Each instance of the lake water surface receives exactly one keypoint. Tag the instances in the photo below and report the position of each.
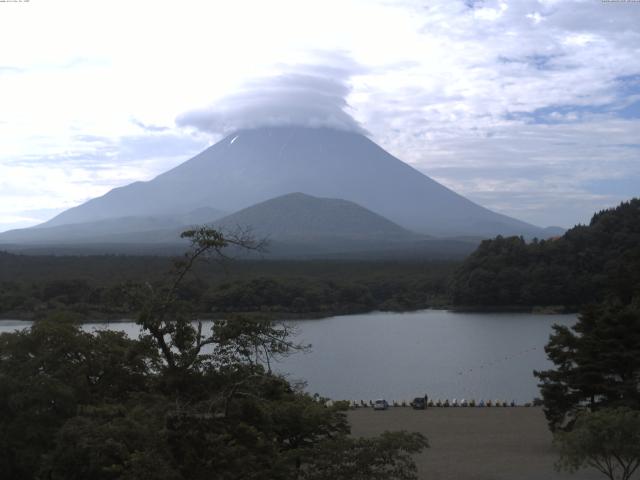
(398, 356)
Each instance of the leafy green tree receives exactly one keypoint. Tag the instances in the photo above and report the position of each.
(597, 364)
(388, 456)
(607, 440)
(111, 442)
(49, 372)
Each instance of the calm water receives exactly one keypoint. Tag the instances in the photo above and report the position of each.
(401, 355)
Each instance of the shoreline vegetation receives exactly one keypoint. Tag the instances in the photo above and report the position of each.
(102, 317)
(99, 287)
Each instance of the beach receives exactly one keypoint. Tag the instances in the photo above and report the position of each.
(474, 443)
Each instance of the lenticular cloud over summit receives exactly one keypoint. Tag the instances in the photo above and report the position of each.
(311, 97)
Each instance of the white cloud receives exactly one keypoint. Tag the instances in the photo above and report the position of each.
(535, 17)
(308, 95)
(543, 173)
(492, 14)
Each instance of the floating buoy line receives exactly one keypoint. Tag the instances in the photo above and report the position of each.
(497, 361)
(446, 403)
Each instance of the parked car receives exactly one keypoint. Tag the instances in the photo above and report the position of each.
(380, 404)
(419, 403)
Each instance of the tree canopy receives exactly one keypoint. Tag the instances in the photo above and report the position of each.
(587, 264)
(607, 440)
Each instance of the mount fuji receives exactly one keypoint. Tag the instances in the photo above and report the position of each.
(253, 166)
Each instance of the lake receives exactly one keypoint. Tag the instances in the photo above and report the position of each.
(398, 356)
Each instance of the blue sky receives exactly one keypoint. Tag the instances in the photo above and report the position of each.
(528, 107)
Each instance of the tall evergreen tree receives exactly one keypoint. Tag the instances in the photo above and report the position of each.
(597, 363)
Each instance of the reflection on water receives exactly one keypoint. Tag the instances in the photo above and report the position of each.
(402, 355)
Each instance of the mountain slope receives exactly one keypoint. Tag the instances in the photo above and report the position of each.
(142, 229)
(295, 225)
(255, 165)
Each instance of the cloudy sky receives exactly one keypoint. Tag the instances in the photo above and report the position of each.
(528, 107)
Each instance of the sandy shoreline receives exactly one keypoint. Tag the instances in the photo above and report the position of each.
(474, 443)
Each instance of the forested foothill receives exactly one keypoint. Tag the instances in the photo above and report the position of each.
(588, 264)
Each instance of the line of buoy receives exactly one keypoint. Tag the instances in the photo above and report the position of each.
(498, 361)
(446, 403)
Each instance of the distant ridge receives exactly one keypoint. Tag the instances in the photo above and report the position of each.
(130, 229)
(294, 225)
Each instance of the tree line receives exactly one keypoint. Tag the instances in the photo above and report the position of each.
(298, 288)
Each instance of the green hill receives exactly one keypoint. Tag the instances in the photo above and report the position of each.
(585, 265)
(304, 217)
